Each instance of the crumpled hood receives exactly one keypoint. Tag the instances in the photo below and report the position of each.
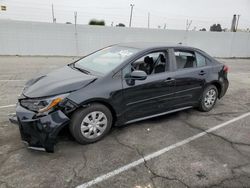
(60, 81)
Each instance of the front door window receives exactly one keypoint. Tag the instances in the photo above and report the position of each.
(152, 63)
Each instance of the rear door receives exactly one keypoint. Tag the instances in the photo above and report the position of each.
(190, 76)
(148, 97)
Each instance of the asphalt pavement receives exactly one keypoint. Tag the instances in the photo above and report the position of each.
(183, 149)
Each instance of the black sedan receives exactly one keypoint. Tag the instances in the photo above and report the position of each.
(117, 85)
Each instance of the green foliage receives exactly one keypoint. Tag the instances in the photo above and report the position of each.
(216, 27)
(96, 22)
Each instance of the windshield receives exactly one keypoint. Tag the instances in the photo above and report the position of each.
(105, 60)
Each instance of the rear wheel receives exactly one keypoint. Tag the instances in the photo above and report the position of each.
(91, 124)
(209, 98)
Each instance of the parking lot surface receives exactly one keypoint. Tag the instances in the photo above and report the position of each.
(218, 158)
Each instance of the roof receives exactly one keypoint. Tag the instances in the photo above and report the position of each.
(146, 45)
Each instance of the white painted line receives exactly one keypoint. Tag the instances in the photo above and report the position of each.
(7, 106)
(158, 153)
(36, 148)
(12, 80)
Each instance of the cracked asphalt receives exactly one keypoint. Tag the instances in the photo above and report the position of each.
(218, 159)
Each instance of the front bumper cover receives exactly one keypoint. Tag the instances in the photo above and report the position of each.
(39, 132)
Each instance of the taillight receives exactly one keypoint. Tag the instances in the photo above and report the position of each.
(225, 69)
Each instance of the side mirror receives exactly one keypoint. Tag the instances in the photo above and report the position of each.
(138, 75)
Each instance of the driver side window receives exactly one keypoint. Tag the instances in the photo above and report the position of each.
(152, 63)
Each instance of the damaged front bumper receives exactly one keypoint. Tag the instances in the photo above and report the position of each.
(39, 132)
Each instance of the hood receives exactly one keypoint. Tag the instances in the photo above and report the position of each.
(60, 81)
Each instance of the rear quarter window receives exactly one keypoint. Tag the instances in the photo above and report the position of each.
(200, 60)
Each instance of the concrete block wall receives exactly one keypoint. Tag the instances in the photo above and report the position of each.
(36, 38)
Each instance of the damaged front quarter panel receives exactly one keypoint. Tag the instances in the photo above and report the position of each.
(40, 132)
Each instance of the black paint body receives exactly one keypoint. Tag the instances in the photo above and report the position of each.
(156, 95)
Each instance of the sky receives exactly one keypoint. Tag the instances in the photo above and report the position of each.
(169, 14)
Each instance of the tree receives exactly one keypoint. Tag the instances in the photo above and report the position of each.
(96, 22)
(216, 27)
(120, 25)
(203, 29)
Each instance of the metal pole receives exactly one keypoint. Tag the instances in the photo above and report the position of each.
(188, 24)
(131, 13)
(165, 26)
(76, 35)
(148, 20)
(75, 15)
(238, 17)
(53, 15)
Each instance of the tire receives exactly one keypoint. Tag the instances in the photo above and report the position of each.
(208, 99)
(49, 149)
(91, 124)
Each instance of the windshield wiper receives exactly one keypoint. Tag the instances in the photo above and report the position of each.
(80, 69)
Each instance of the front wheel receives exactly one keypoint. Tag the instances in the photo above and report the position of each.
(91, 124)
(209, 98)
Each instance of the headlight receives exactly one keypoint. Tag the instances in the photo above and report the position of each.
(43, 104)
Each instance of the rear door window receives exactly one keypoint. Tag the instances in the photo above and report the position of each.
(185, 59)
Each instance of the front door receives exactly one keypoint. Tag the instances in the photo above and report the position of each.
(148, 97)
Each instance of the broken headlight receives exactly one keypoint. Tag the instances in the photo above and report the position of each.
(42, 105)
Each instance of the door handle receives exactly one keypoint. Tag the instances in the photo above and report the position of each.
(202, 72)
(169, 79)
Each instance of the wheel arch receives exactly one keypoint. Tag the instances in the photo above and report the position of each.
(103, 102)
(218, 85)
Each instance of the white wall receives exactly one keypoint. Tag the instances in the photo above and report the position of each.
(33, 38)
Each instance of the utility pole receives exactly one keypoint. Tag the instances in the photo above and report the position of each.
(75, 17)
(131, 13)
(233, 25)
(148, 20)
(238, 17)
(53, 15)
(76, 36)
